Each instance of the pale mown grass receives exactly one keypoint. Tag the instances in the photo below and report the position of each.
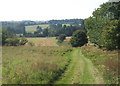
(33, 65)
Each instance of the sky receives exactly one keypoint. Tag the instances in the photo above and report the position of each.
(42, 10)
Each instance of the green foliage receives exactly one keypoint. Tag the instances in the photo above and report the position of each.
(53, 30)
(14, 27)
(111, 35)
(45, 32)
(95, 23)
(5, 35)
(61, 38)
(15, 41)
(10, 39)
(98, 23)
(12, 42)
(23, 41)
(78, 39)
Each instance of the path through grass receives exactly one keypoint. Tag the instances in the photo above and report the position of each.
(80, 71)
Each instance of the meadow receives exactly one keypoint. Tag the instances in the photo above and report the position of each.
(43, 61)
(34, 65)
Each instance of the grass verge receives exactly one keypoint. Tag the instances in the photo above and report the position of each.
(106, 61)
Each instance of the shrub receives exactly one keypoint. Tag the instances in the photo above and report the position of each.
(5, 35)
(61, 38)
(15, 41)
(111, 35)
(12, 41)
(78, 38)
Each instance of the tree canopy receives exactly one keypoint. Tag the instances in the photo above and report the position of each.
(78, 39)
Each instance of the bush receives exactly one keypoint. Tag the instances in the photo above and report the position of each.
(12, 42)
(61, 38)
(78, 39)
(15, 41)
(23, 41)
(111, 35)
(6, 35)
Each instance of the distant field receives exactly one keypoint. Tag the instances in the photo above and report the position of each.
(48, 41)
(32, 28)
(68, 24)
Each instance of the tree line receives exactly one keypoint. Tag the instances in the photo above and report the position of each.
(55, 30)
(103, 27)
(14, 27)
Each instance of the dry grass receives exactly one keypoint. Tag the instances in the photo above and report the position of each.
(48, 41)
(33, 65)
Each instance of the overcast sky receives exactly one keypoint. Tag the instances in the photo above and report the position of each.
(47, 9)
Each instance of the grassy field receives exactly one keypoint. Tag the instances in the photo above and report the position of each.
(42, 61)
(34, 65)
(32, 28)
(47, 41)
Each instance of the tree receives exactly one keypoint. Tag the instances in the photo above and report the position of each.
(45, 32)
(5, 35)
(39, 29)
(61, 38)
(111, 35)
(78, 39)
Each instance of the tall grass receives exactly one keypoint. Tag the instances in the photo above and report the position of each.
(34, 65)
(106, 61)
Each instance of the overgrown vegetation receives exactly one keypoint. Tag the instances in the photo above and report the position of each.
(10, 39)
(34, 65)
(106, 61)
